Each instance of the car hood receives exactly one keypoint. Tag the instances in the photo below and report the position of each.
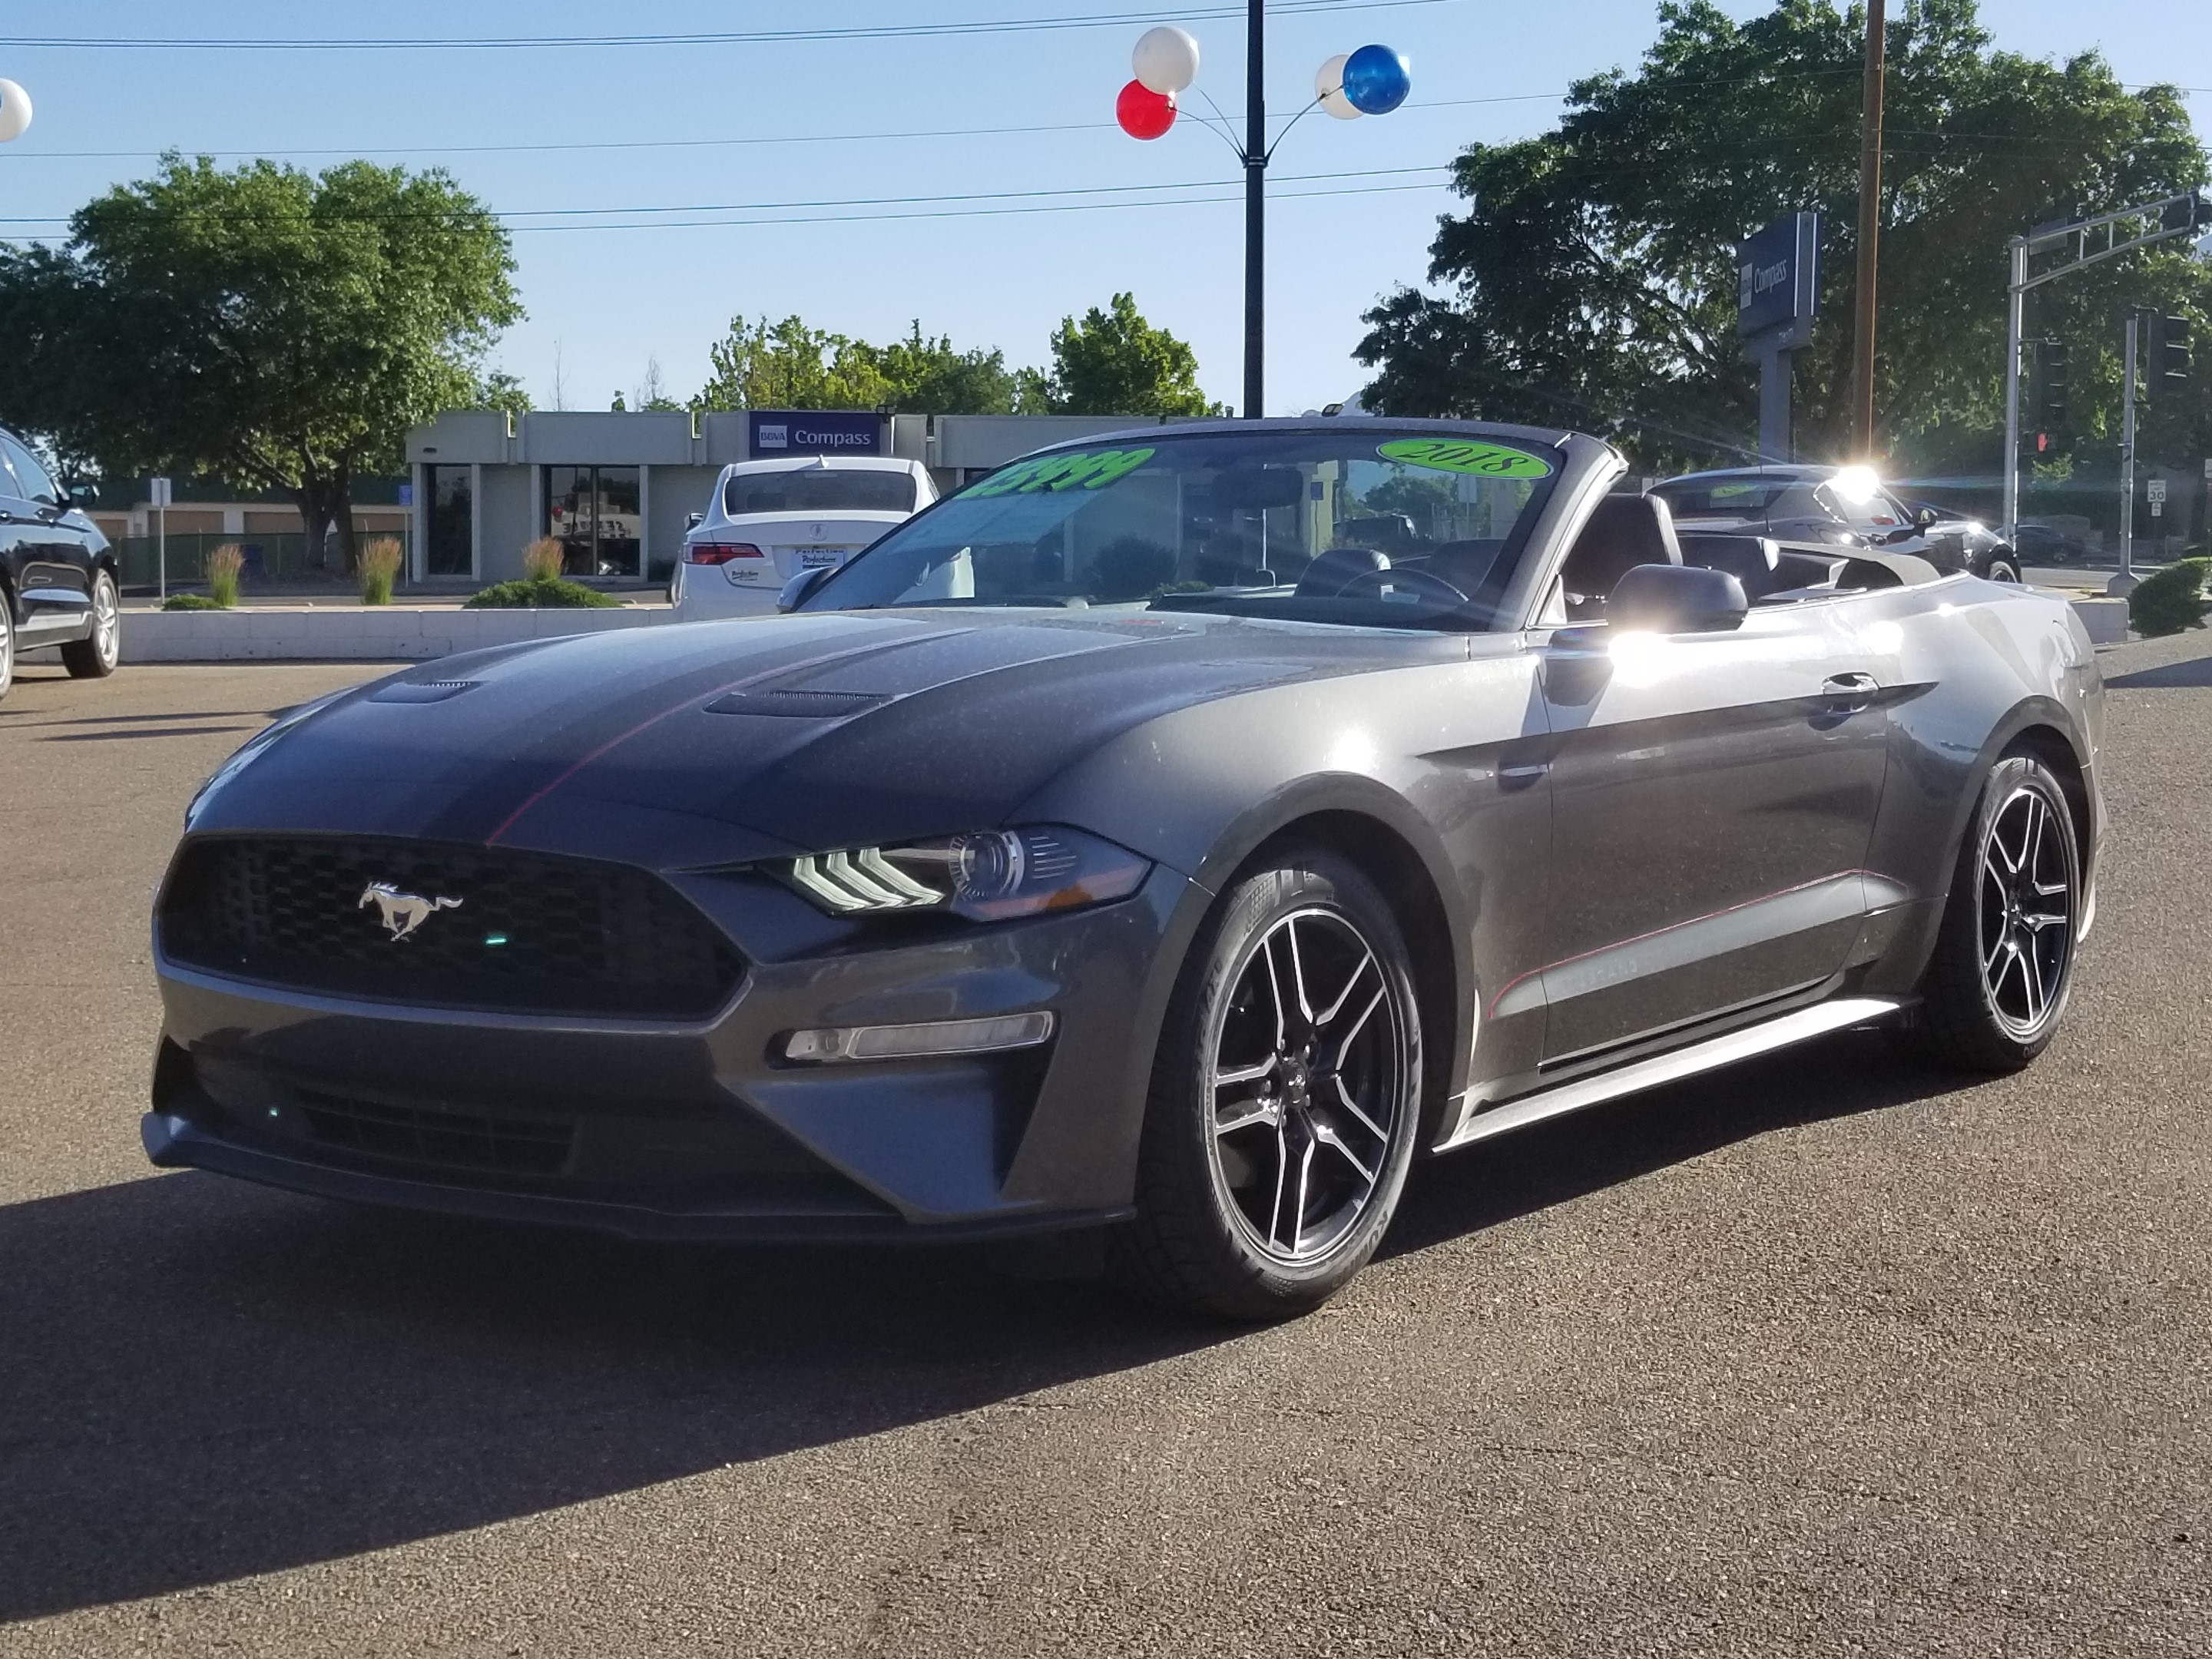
(717, 742)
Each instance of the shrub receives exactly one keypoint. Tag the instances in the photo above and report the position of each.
(2169, 600)
(222, 568)
(543, 560)
(550, 592)
(191, 602)
(380, 566)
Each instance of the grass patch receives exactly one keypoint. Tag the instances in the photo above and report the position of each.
(192, 602)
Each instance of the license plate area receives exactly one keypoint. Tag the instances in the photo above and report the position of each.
(815, 558)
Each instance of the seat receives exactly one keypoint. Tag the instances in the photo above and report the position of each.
(1332, 572)
(1751, 560)
(1624, 531)
(1464, 564)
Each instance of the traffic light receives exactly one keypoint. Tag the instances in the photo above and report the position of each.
(2170, 355)
(2050, 383)
(2185, 214)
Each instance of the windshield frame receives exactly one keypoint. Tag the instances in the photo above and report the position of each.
(1484, 609)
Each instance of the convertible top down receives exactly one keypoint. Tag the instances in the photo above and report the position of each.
(1122, 842)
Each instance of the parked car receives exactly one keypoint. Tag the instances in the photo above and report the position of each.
(2049, 544)
(1846, 506)
(1010, 881)
(58, 575)
(768, 520)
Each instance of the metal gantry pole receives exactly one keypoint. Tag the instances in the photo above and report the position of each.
(1255, 209)
(2125, 581)
(2016, 305)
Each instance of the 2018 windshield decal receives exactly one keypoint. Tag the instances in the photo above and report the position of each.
(1090, 470)
(1469, 455)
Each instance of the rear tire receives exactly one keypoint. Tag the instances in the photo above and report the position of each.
(1997, 987)
(95, 658)
(1285, 1099)
(6, 642)
(2003, 567)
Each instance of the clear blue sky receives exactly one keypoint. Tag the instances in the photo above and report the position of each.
(606, 297)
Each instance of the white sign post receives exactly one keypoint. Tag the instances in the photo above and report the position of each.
(159, 497)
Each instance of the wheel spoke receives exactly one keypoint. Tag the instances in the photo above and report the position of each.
(1275, 990)
(1298, 1214)
(1344, 996)
(2039, 920)
(1282, 1172)
(1325, 1136)
(2030, 975)
(1269, 1112)
(1344, 1043)
(1352, 1106)
(1244, 1074)
(1298, 974)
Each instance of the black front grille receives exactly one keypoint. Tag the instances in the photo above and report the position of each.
(439, 1140)
(531, 934)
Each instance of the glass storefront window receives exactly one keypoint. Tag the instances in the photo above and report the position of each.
(451, 548)
(592, 511)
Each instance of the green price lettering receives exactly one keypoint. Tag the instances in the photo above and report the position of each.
(1089, 471)
(1468, 455)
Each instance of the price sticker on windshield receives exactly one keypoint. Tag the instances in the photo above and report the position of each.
(1468, 455)
(1085, 470)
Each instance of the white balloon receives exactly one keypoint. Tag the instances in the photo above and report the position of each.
(14, 110)
(1166, 59)
(1329, 86)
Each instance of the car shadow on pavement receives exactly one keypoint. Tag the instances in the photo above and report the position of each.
(2197, 673)
(202, 1380)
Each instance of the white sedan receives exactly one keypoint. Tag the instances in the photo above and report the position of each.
(769, 520)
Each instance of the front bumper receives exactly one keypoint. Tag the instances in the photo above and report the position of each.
(698, 1131)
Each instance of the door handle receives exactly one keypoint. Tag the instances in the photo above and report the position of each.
(1852, 691)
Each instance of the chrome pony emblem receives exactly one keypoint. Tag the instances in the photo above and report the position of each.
(402, 913)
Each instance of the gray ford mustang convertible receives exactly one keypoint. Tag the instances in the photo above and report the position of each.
(1122, 843)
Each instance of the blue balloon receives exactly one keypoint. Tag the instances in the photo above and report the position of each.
(1376, 80)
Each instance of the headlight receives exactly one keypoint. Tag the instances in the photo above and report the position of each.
(986, 877)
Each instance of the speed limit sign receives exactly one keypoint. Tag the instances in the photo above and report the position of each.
(2156, 491)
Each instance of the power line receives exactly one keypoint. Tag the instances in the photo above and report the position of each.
(770, 207)
(703, 37)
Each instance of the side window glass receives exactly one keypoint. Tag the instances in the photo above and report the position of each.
(37, 486)
(8, 486)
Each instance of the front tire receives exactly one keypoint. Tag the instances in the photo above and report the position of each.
(2003, 567)
(2004, 966)
(1286, 1098)
(6, 642)
(95, 658)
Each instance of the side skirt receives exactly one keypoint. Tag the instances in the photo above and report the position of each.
(1724, 1050)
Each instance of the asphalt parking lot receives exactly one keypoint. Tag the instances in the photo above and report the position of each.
(1828, 1355)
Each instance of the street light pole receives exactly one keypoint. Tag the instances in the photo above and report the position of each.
(1869, 232)
(1255, 208)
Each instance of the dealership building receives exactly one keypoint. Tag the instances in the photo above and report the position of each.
(619, 489)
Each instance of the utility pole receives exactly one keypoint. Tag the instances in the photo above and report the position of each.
(1255, 208)
(2125, 581)
(1869, 234)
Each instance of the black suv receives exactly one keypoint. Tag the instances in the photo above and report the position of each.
(57, 583)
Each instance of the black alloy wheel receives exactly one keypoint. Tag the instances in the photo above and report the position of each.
(2003, 566)
(94, 657)
(2004, 959)
(1285, 1099)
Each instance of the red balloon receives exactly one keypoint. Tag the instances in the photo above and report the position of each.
(1143, 113)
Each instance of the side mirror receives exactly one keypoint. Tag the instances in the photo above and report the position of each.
(1676, 599)
(796, 590)
(693, 520)
(1924, 517)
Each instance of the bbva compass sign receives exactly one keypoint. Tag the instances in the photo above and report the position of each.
(1778, 277)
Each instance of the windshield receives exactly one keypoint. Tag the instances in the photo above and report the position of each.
(818, 489)
(1362, 524)
(1725, 498)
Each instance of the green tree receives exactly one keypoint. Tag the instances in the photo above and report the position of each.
(788, 365)
(1591, 281)
(501, 389)
(262, 325)
(928, 376)
(1115, 362)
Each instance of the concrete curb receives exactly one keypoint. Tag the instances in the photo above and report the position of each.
(363, 634)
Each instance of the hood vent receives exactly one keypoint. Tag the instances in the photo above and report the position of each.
(422, 690)
(796, 705)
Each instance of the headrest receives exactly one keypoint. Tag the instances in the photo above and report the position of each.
(1329, 574)
(1624, 531)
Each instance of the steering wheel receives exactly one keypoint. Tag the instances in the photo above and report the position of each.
(1434, 588)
